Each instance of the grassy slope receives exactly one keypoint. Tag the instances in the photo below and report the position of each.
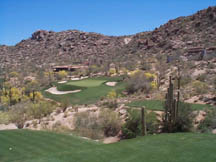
(36, 146)
(158, 105)
(92, 90)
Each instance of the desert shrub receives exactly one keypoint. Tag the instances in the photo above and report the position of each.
(202, 77)
(112, 71)
(200, 87)
(152, 123)
(61, 75)
(59, 127)
(185, 118)
(209, 123)
(86, 124)
(185, 79)
(138, 82)
(23, 111)
(40, 109)
(211, 66)
(132, 127)
(184, 121)
(127, 133)
(4, 118)
(112, 104)
(36, 96)
(111, 101)
(94, 126)
(145, 66)
(31, 86)
(110, 121)
(13, 74)
(12, 96)
(112, 94)
(65, 103)
(17, 114)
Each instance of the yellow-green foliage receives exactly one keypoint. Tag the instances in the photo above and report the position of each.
(112, 95)
(150, 75)
(7, 85)
(23, 111)
(40, 109)
(14, 95)
(154, 84)
(5, 100)
(132, 73)
(112, 71)
(48, 73)
(32, 85)
(38, 96)
(13, 74)
(154, 77)
(62, 74)
(94, 126)
(4, 118)
(200, 87)
(124, 70)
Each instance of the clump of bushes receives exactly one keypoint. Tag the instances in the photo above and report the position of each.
(139, 82)
(61, 75)
(4, 118)
(200, 87)
(111, 101)
(185, 79)
(23, 111)
(184, 121)
(209, 123)
(96, 126)
(133, 126)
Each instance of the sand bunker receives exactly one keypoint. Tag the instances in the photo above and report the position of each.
(112, 84)
(62, 82)
(54, 90)
(81, 78)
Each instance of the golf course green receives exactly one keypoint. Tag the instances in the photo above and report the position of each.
(92, 90)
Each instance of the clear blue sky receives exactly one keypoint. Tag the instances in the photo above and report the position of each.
(20, 18)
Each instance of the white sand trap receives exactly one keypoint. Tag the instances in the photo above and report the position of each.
(79, 78)
(112, 84)
(62, 82)
(54, 90)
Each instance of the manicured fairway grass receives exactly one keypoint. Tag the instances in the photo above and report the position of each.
(158, 105)
(38, 146)
(92, 90)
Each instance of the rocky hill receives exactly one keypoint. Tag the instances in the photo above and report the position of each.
(175, 37)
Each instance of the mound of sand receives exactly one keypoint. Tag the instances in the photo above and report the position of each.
(112, 84)
(54, 90)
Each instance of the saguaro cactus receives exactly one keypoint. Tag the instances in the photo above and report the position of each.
(171, 107)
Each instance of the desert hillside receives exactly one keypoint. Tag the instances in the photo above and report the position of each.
(175, 37)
